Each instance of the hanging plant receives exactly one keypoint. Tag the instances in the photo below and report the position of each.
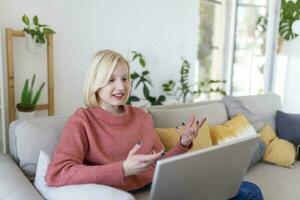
(37, 31)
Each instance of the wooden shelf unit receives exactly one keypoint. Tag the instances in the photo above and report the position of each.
(3, 133)
(10, 34)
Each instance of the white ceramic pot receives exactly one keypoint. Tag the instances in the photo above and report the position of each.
(32, 45)
(25, 115)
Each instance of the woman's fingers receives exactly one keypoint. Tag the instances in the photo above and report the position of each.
(200, 123)
(135, 149)
(191, 121)
(151, 158)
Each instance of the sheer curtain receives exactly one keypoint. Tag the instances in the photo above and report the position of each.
(288, 73)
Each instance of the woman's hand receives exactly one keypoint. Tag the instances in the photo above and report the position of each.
(137, 163)
(190, 131)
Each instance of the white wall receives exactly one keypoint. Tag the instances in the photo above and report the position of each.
(163, 30)
(291, 92)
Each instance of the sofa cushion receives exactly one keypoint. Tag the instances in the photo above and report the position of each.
(13, 183)
(288, 127)
(267, 134)
(276, 183)
(28, 137)
(258, 154)
(80, 191)
(279, 151)
(170, 137)
(172, 116)
(237, 127)
(258, 109)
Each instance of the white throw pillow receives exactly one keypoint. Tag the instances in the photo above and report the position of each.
(84, 191)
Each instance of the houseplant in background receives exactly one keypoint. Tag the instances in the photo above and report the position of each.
(184, 91)
(289, 14)
(35, 32)
(29, 99)
(144, 80)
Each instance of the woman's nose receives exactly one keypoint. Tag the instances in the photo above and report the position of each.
(120, 85)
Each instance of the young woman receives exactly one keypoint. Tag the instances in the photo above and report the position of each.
(109, 142)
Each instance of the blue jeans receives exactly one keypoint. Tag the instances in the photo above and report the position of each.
(248, 191)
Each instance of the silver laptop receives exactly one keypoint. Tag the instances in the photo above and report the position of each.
(213, 173)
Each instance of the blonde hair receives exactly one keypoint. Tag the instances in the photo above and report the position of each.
(98, 74)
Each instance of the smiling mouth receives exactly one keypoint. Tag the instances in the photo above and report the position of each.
(119, 95)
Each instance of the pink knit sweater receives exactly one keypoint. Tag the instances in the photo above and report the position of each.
(94, 143)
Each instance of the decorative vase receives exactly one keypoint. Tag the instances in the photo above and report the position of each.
(32, 45)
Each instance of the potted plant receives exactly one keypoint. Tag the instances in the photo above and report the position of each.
(184, 92)
(29, 99)
(144, 80)
(289, 14)
(35, 33)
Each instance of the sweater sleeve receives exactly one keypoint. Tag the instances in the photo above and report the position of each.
(67, 166)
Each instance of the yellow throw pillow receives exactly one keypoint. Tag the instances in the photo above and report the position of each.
(169, 137)
(237, 127)
(281, 153)
(267, 134)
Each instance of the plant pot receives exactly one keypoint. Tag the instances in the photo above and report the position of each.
(25, 113)
(32, 45)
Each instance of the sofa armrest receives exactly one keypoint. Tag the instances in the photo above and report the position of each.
(13, 183)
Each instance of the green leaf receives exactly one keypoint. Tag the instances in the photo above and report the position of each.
(161, 98)
(138, 83)
(152, 100)
(146, 91)
(146, 80)
(35, 20)
(25, 19)
(142, 62)
(27, 30)
(37, 95)
(32, 82)
(25, 92)
(145, 72)
(134, 98)
(169, 86)
(48, 31)
(134, 57)
(134, 75)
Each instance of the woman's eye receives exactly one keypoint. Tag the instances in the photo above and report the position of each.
(111, 80)
(124, 79)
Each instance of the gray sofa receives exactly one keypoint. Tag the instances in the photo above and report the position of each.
(28, 137)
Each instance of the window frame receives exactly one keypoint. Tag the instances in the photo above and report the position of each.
(229, 43)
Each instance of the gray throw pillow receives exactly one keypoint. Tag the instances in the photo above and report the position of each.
(258, 154)
(258, 109)
(288, 127)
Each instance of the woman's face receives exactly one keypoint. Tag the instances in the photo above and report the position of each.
(116, 91)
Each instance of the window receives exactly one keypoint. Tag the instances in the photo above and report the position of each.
(211, 44)
(232, 48)
(211, 41)
(249, 51)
